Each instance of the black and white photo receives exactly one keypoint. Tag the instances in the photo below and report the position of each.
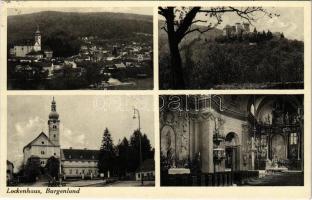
(78, 141)
(231, 140)
(231, 47)
(80, 48)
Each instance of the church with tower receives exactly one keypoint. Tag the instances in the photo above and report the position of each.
(31, 49)
(75, 163)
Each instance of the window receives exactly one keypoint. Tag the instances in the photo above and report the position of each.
(76, 171)
(42, 152)
(54, 136)
(263, 140)
(42, 142)
(55, 154)
(70, 171)
(293, 138)
(42, 162)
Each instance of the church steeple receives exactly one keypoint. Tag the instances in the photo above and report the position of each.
(37, 31)
(53, 114)
(37, 46)
(54, 124)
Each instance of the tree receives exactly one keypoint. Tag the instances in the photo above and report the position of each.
(282, 35)
(63, 43)
(146, 148)
(32, 169)
(123, 157)
(179, 23)
(269, 35)
(107, 153)
(52, 167)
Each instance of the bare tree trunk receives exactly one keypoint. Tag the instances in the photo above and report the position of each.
(176, 70)
(177, 81)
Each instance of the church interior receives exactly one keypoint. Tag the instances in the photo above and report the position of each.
(226, 134)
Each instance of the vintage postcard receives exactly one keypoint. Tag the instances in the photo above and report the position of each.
(231, 140)
(155, 99)
(49, 147)
(231, 47)
(71, 48)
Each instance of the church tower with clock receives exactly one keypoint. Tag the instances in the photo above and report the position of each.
(54, 124)
(37, 46)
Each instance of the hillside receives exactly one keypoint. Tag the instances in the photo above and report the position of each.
(105, 25)
(210, 64)
(162, 35)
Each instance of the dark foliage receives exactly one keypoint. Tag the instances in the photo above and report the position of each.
(210, 63)
(52, 167)
(61, 30)
(107, 154)
(32, 169)
(125, 157)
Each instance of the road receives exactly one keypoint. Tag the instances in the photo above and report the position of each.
(126, 184)
(92, 183)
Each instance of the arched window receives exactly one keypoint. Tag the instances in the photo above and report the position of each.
(293, 139)
(42, 152)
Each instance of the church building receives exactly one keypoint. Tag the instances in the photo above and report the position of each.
(75, 163)
(30, 49)
(228, 133)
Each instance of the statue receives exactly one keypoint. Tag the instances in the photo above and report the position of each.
(286, 118)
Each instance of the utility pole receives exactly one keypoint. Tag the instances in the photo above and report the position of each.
(138, 112)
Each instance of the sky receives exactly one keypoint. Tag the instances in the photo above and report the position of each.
(290, 21)
(83, 120)
(132, 10)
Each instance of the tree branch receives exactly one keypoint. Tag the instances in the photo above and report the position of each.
(164, 28)
(186, 23)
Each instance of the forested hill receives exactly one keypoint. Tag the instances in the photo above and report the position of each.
(210, 63)
(102, 24)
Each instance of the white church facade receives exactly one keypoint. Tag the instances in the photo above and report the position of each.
(31, 49)
(75, 163)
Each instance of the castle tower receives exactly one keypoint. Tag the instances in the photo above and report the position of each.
(54, 124)
(37, 46)
(246, 27)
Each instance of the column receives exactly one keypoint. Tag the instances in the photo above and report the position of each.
(191, 139)
(252, 153)
(206, 131)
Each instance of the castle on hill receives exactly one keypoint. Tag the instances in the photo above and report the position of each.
(236, 30)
